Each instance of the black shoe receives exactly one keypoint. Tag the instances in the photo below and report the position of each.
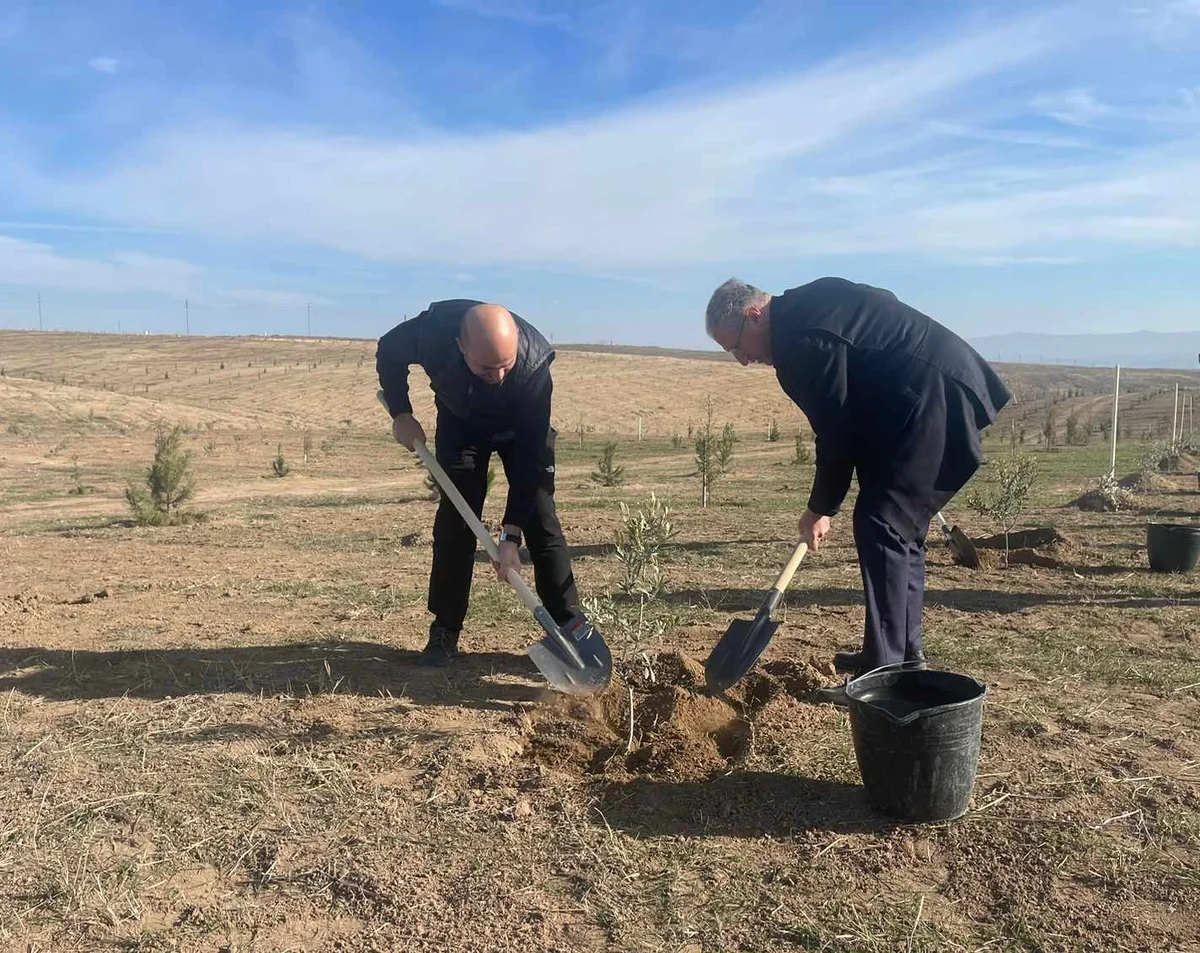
(442, 648)
(852, 663)
(848, 663)
(832, 695)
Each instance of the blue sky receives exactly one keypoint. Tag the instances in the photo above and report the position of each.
(598, 167)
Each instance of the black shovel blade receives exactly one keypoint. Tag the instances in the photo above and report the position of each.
(562, 671)
(963, 548)
(737, 651)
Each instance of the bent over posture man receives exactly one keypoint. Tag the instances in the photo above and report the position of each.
(490, 374)
(890, 394)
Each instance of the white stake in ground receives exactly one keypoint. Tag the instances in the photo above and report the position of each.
(1112, 461)
(1175, 415)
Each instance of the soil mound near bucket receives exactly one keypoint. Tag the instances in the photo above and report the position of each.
(1111, 500)
(1147, 482)
(674, 730)
(1045, 547)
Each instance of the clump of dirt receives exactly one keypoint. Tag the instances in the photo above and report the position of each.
(1097, 500)
(674, 729)
(1147, 482)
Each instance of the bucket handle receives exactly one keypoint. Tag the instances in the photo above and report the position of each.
(920, 713)
(885, 668)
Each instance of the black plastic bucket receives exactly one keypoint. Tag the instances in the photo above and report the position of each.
(916, 737)
(1174, 547)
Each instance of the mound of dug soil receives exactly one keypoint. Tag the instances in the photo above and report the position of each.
(1146, 482)
(1098, 501)
(674, 730)
(1045, 547)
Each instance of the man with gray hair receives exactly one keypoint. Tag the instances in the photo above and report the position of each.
(892, 396)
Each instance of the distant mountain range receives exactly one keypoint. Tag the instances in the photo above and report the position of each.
(1173, 349)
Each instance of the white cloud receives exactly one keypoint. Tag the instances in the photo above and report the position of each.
(103, 64)
(529, 12)
(674, 180)
(274, 299)
(30, 264)
(864, 155)
(1075, 107)
(996, 261)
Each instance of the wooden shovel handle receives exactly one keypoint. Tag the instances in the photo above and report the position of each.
(789, 570)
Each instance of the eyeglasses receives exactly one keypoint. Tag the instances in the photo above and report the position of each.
(737, 345)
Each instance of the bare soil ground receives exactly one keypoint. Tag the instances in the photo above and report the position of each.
(216, 737)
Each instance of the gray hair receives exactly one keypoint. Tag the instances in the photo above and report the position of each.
(727, 306)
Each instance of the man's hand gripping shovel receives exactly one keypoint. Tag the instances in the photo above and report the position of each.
(574, 657)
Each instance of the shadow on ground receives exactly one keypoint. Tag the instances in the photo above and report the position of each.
(962, 600)
(296, 669)
(741, 804)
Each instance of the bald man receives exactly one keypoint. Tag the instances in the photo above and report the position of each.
(490, 374)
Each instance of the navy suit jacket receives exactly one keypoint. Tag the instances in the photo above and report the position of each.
(889, 392)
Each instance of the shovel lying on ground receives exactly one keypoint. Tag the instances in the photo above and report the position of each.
(743, 642)
(573, 658)
(962, 547)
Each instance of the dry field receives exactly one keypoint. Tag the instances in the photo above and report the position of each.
(215, 737)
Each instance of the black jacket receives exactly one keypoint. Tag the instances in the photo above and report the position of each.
(519, 405)
(888, 391)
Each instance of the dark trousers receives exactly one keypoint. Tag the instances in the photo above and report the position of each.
(893, 573)
(464, 455)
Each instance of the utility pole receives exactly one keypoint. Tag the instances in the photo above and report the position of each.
(308, 318)
(187, 318)
(39, 311)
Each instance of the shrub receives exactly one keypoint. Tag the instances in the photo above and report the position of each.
(803, 451)
(607, 472)
(170, 481)
(640, 541)
(1013, 479)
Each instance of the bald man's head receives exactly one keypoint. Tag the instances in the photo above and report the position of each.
(488, 341)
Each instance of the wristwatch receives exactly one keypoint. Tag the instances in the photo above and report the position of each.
(507, 537)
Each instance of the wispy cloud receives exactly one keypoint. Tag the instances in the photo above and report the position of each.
(529, 12)
(30, 264)
(678, 180)
(274, 299)
(1074, 107)
(81, 227)
(997, 261)
(103, 64)
(1082, 109)
(1006, 144)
